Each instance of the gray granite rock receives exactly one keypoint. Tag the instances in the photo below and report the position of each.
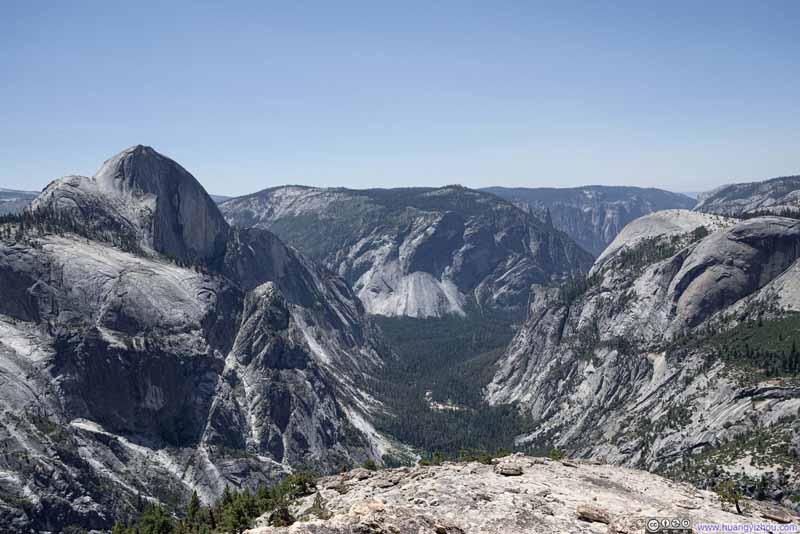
(472, 499)
(592, 215)
(621, 373)
(770, 196)
(149, 198)
(417, 252)
(128, 376)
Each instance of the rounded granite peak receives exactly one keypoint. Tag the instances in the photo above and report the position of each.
(139, 168)
(662, 223)
(157, 201)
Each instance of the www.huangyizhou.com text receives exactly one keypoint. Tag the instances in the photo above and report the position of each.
(718, 528)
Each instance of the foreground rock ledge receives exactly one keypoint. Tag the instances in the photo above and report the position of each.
(473, 498)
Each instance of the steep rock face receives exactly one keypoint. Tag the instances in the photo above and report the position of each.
(771, 196)
(626, 368)
(282, 400)
(416, 252)
(592, 215)
(113, 375)
(128, 377)
(542, 496)
(732, 264)
(330, 315)
(148, 198)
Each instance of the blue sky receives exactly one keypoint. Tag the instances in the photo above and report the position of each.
(247, 95)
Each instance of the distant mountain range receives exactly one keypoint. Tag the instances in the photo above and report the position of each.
(219, 198)
(13, 201)
(592, 215)
(769, 196)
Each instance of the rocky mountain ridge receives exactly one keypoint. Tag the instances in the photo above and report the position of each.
(417, 252)
(640, 366)
(14, 201)
(768, 196)
(146, 198)
(148, 350)
(592, 215)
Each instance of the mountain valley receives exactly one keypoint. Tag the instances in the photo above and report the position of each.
(157, 350)
(417, 252)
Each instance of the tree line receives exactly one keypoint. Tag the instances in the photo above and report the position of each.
(234, 512)
(37, 223)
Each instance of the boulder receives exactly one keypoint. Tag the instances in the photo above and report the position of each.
(508, 470)
(593, 514)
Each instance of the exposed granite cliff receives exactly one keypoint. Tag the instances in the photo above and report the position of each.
(150, 198)
(628, 368)
(417, 252)
(129, 377)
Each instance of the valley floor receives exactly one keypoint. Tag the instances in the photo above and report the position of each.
(433, 388)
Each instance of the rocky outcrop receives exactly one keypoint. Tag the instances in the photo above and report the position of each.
(277, 398)
(471, 498)
(417, 252)
(627, 367)
(592, 215)
(769, 196)
(732, 264)
(129, 376)
(662, 224)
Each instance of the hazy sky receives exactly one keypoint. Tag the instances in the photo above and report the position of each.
(679, 95)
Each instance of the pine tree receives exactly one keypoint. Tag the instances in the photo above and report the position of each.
(235, 517)
(193, 510)
(156, 521)
(227, 497)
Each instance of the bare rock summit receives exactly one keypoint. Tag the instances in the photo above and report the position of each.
(470, 498)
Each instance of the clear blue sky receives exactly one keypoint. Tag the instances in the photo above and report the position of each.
(679, 95)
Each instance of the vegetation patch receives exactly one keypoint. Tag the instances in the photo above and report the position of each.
(766, 347)
(789, 213)
(234, 512)
(575, 287)
(756, 462)
(446, 362)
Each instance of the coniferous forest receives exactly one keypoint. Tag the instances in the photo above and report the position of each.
(433, 387)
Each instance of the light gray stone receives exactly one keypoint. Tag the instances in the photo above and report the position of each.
(481, 503)
(419, 252)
